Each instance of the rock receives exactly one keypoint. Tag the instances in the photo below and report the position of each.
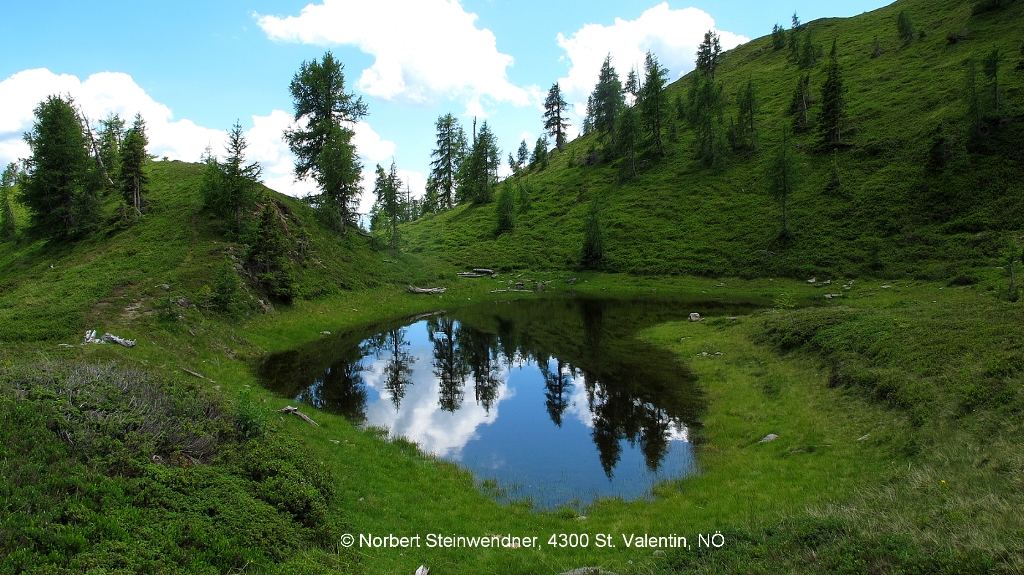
(658, 553)
(572, 281)
(769, 438)
(812, 280)
(863, 437)
(886, 286)
(423, 570)
(718, 353)
(325, 333)
(827, 282)
(519, 285)
(695, 316)
(588, 571)
(704, 353)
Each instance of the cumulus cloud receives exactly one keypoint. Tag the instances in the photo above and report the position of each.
(113, 92)
(672, 35)
(424, 49)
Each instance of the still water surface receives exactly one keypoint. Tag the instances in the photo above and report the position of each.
(554, 400)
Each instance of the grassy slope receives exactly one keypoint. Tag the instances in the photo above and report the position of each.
(892, 215)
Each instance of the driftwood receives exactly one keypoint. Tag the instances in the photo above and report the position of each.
(295, 411)
(420, 316)
(511, 290)
(90, 337)
(432, 291)
(192, 373)
(470, 275)
(484, 271)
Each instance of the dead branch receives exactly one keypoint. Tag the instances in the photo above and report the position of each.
(295, 411)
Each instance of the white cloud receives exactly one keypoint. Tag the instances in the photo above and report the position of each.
(424, 49)
(113, 92)
(672, 35)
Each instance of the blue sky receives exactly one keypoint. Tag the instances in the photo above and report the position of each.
(194, 68)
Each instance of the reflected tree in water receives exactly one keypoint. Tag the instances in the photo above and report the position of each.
(339, 390)
(557, 387)
(398, 364)
(479, 352)
(448, 366)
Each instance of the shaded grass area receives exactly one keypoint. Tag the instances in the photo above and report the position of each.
(115, 470)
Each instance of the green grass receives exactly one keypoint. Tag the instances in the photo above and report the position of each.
(892, 216)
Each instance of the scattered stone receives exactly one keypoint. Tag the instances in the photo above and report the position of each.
(812, 280)
(827, 282)
(325, 333)
(718, 353)
(431, 291)
(863, 437)
(423, 569)
(695, 317)
(732, 318)
(658, 553)
(719, 285)
(704, 353)
(335, 441)
(886, 286)
(519, 285)
(588, 571)
(769, 438)
(64, 345)
(166, 287)
(572, 281)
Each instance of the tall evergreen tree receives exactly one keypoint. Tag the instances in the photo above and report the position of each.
(653, 103)
(627, 138)
(229, 187)
(132, 158)
(801, 102)
(61, 183)
(111, 135)
(706, 101)
(746, 128)
(388, 204)
(324, 112)
(778, 37)
(523, 155)
(431, 199)
(555, 121)
(7, 182)
(539, 157)
(448, 158)
(781, 179)
(481, 171)
(809, 51)
(505, 209)
(833, 100)
(632, 86)
(990, 66)
(905, 27)
(606, 100)
(267, 256)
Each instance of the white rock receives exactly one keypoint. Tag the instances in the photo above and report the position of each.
(769, 437)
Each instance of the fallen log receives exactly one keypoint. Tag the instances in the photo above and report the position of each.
(111, 338)
(295, 411)
(470, 275)
(192, 373)
(432, 291)
(485, 271)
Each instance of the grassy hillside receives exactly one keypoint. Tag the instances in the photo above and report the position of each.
(898, 211)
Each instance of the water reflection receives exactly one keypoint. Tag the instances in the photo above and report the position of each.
(564, 374)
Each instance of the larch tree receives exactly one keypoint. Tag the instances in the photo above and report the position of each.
(61, 180)
(388, 203)
(555, 122)
(539, 157)
(447, 159)
(230, 187)
(592, 251)
(653, 103)
(7, 181)
(606, 100)
(324, 116)
(781, 178)
(833, 100)
(778, 37)
(523, 155)
(132, 158)
(111, 135)
(801, 103)
(481, 168)
(746, 99)
(706, 101)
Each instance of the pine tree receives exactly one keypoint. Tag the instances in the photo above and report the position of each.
(554, 115)
(833, 101)
(132, 158)
(746, 129)
(990, 66)
(653, 103)
(904, 27)
(778, 38)
(706, 102)
(323, 110)
(781, 179)
(801, 102)
(448, 158)
(604, 103)
(7, 182)
(505, 209)
(539, 158)
(61, 182)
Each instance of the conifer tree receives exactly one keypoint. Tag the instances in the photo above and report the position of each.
(833, 101)
(990, 66)
(505, 209)
(555, 121)
(132, 158)
(904, 27)
(632, 86)
(111, 136)
(778, 38)
(627, 138)
(781, 179)
(808, 51)
(523, 155)
(539, 157)
(267, 256)
(61, 181)
(604, 103)
(324, 112)
(794, 38)
(971, 98)
(746, 128)
(481, 169)
(229, 187)
(7, 182)
(447, 159)
(387, 207)
(653, 103)
(706, 101)
(801, 102)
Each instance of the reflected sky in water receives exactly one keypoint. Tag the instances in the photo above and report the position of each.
(555, 401)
